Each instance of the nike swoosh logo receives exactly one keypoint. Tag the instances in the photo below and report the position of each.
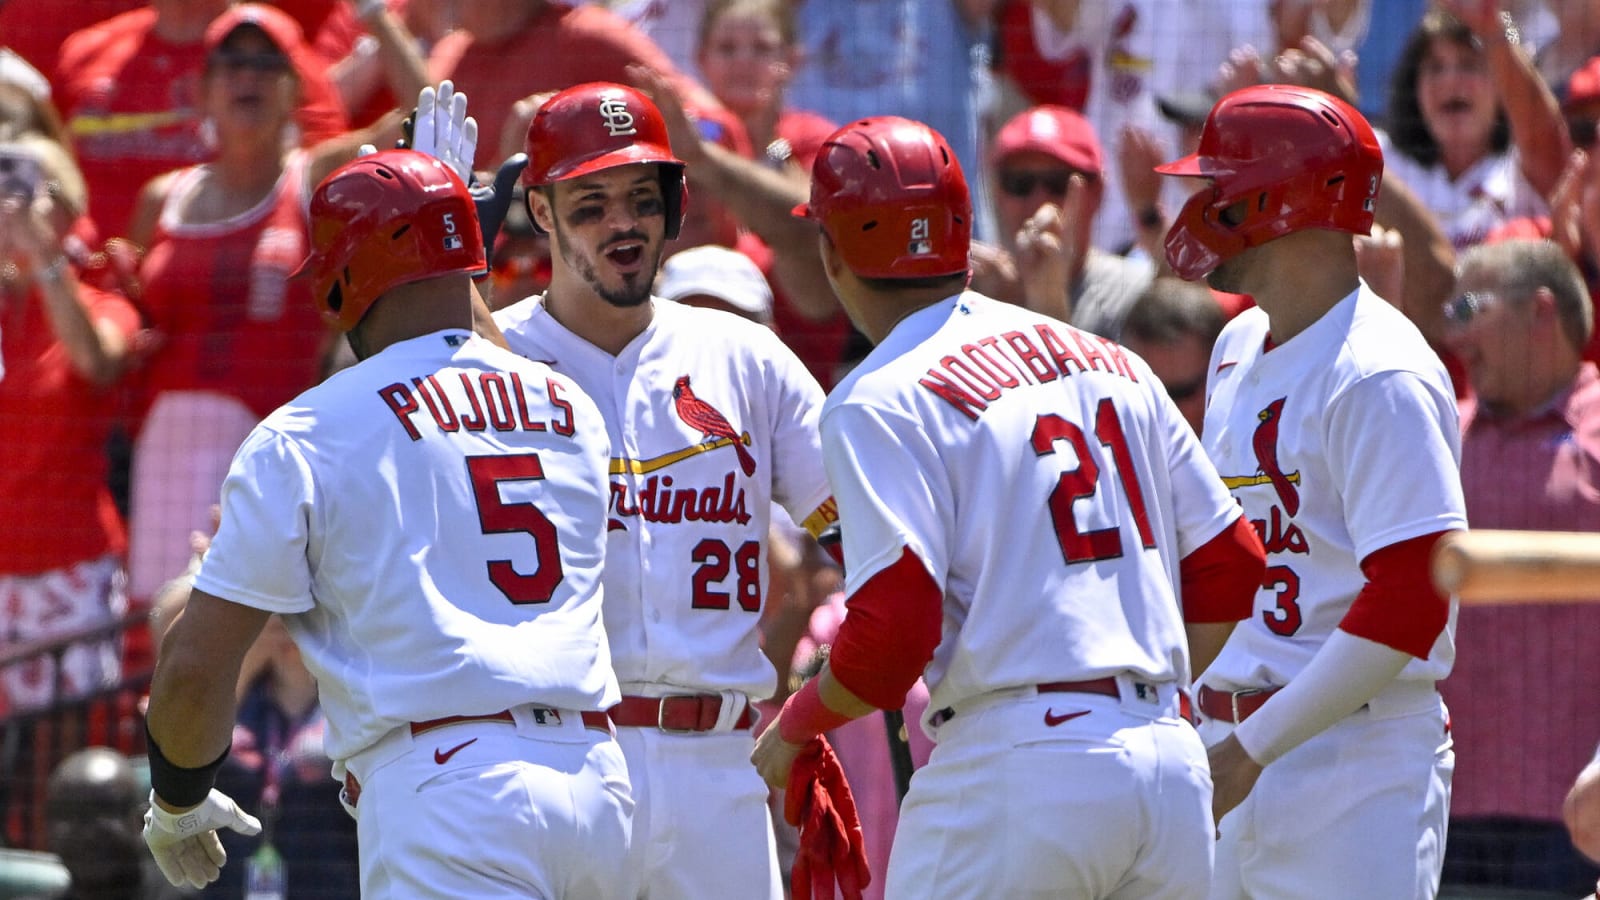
(1051, 720)
(1226, 365)
(442, 758)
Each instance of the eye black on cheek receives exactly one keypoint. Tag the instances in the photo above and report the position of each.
(653, 206)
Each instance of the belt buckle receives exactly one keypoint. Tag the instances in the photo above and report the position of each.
(1233, 701)
(661, 713)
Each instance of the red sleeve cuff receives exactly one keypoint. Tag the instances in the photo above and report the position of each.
(890, 630)
(1220, 578)
(1399, 607)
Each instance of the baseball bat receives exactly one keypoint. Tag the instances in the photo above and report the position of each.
(1486, 566)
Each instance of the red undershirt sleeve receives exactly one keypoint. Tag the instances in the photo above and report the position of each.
(1221, 577)
(889, 634)
(1399, 607)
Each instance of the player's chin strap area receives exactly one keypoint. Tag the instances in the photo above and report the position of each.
(686, 713)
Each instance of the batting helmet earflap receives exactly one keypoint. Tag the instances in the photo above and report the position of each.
(890, 194)
(384, 220)
(1292, 158)
(599, 125)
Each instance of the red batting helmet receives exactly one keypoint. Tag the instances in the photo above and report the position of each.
(1296, 158)
(890, 194)
(384, 220)
(591, 127)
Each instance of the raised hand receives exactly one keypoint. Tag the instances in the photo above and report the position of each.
(442, 129)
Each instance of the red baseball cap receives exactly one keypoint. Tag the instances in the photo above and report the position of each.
(1583, 88)
(281, 29)
(1054, 131)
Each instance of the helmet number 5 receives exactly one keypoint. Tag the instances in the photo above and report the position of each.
(495, 516)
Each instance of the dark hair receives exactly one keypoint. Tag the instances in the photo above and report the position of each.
(1408, 132)
(1171, 308)
(953, 283)
(781, 12)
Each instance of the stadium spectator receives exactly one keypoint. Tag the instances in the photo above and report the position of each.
(35, 29)
(62, 346)
(1530, 449)
(506, 50)
(1473, 129)
(1023, 76)
(235, 338)
(1173, 325)
(1346, 28)
(129, 89)
(93, 804)
(917, 60)
(718, 278)
(1049, 173)
(748, 52)
(1141, 50)
(669, 23)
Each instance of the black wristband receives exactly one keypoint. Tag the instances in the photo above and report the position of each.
(177, 785)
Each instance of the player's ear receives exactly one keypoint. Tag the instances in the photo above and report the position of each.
(540, 210)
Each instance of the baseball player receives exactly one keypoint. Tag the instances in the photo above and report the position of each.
(1023, 506)
(711, 419)
(1334, 425)
(430, 524)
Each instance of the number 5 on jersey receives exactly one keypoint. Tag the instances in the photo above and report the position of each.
(495, 516)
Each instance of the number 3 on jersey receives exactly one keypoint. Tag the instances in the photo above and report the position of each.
(495, 516)
(1082, 482)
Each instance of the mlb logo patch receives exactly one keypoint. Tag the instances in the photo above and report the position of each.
(919, 248)
(452, 242)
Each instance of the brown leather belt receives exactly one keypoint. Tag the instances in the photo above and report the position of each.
(591, 719)
(1106, 686)
(677, 714)
(1232, 706)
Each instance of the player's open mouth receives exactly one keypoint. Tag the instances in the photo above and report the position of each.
(626, 256)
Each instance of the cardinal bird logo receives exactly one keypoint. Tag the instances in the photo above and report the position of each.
(1265, 443)
(697, 413)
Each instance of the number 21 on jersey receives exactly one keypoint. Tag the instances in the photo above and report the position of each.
(1083, 481)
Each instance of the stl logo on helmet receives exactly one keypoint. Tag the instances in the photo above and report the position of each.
(618, 120)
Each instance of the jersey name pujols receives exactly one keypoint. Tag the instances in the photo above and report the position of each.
(479, 401)
(988, 367)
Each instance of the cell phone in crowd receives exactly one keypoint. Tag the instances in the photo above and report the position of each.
(20, 173)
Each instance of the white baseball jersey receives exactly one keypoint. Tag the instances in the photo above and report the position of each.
(1339, 442)
(430, 523)
(1489, 194)
(1045, 479)
(686, 564)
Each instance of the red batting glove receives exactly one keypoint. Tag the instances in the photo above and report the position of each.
(832, 851)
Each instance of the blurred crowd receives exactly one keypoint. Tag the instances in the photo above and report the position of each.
(156, 159)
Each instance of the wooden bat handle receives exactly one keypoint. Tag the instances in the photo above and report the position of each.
(1485, 566)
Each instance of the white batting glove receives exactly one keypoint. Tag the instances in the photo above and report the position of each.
(443, 129)
(185, 844)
